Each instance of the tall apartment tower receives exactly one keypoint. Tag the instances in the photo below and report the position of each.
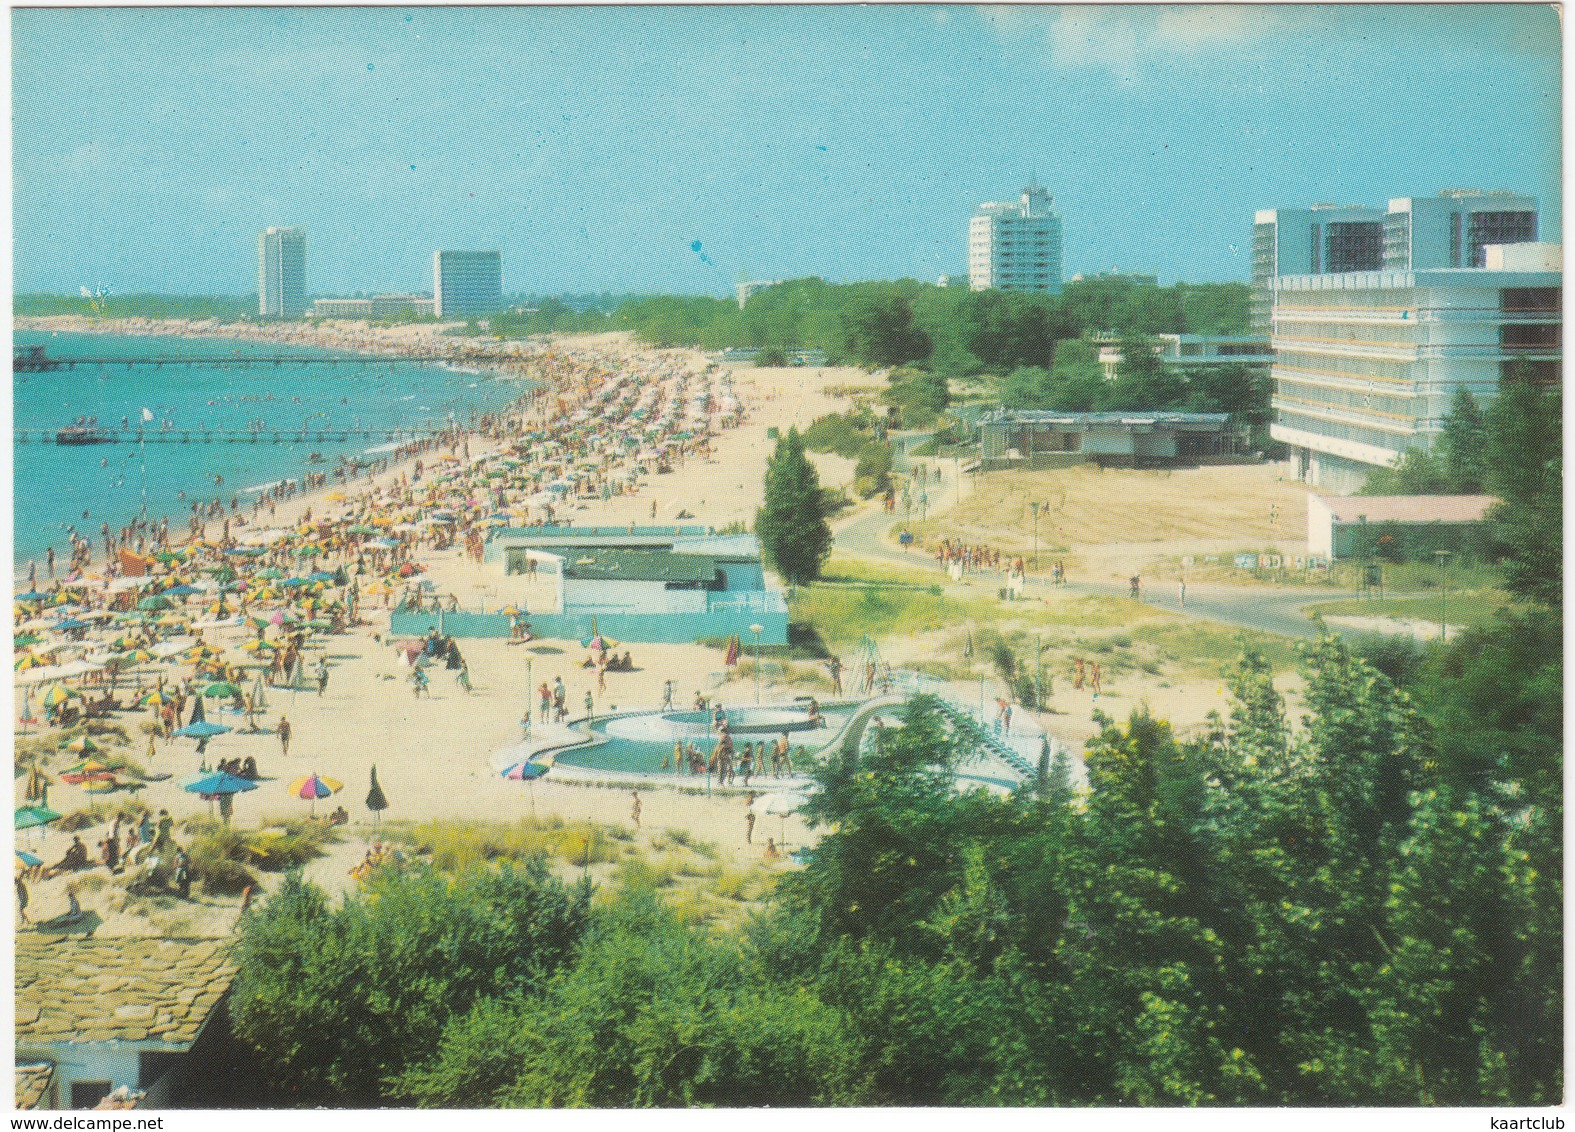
(1311, 241)
(1453, 228)
(281, 273)
(1016, 245)
(467, 284)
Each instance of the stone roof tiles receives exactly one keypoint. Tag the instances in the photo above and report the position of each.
(118, 989)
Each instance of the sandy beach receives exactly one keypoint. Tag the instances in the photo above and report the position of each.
(432, 753)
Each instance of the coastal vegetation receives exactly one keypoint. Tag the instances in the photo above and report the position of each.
(791, 523)
(1360, 909)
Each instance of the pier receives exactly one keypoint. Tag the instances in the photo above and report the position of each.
(232, 435)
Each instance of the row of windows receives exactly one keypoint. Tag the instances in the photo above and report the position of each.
(1378, 333)
(1307, 393)
(1339, 430)
(1377, 369)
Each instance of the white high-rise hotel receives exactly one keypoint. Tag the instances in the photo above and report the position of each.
(1016, 245)
(281, 273)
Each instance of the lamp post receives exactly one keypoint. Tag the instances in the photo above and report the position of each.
(1035, 506)
(757, 629)
(1443, 592)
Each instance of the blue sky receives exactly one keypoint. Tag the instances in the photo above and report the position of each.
(593, 146)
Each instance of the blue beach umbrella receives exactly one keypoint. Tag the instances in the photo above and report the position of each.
(219, 782)
(201, 729)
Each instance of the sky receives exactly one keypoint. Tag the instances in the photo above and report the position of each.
(596, 146)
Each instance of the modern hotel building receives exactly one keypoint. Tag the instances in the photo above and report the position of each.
(467, 284)
(1366, 363)
(1016, 245)
(281, 273)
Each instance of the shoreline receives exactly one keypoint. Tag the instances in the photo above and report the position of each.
(288, 511)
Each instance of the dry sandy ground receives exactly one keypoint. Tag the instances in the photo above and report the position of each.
(1112, 523)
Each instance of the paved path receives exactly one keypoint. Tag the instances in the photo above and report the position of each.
(1268, 609)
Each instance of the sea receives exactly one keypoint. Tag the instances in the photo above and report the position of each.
(56, 487)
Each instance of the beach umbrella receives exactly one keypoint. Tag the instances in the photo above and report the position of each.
(83, 745)
(155, 601)
(201, 729)
(28, 661)
(376, 800)
(31, 860)
(529, 769)
(780, 804)
(315, 786)
(220, 782)
(221, 688)
(24, 640)
(33, 595)
(29, 816)
(155, 699)
(58, 695)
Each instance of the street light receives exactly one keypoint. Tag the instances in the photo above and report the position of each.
(1443, 592)
(1035, 506)
(757, 630)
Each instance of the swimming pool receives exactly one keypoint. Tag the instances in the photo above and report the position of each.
(639, 743)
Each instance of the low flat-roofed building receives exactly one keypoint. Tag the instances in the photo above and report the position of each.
(655, 584)
(1192, 351)
(341, 308)
(96, 1015)
(1029, 437)
(1396, 527)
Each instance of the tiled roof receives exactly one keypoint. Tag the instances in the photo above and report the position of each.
(118, 988)
(32, 1081)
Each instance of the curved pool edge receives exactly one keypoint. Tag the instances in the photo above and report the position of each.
(558, 738)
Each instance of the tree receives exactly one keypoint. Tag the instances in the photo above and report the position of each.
(1464, 445)
(879, 331)
(1415, 473)
(791, 525)
(1526, 472)
(1143, 381)
(335, 1001)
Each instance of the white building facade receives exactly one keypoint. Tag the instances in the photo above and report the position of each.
(1366, 364)
(1016, 245)
(281, 273)
(467, 284)
(1192, 351)
(1454, 228)
(1323, 238)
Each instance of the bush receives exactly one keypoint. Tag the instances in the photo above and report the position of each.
(335, 1001)
(874, 465)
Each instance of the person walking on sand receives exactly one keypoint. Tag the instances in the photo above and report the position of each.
(667, 695)
(634, 811)
(322, 676)
(749, 827)
(283, 731)
(463, 677)
(1182, 592)
(1094, 678)
(1078, 674)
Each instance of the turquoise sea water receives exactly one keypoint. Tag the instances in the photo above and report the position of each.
(55, 484)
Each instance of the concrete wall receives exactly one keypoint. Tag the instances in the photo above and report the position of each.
(630, 597)
(1320, 527)
(640, 628)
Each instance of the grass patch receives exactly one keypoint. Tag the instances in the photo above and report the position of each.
(846, 615)
(1205, 648)
(686, 840)
(845, 569)
(1470, 609)
(457, 845)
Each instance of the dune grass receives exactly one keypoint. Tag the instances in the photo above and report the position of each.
(457, 845)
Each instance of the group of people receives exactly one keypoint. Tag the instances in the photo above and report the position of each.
(729, 763)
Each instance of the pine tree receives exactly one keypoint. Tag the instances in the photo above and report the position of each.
(792, 523)
(1465, 444)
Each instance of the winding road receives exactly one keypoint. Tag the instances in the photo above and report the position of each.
(1269, 609)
